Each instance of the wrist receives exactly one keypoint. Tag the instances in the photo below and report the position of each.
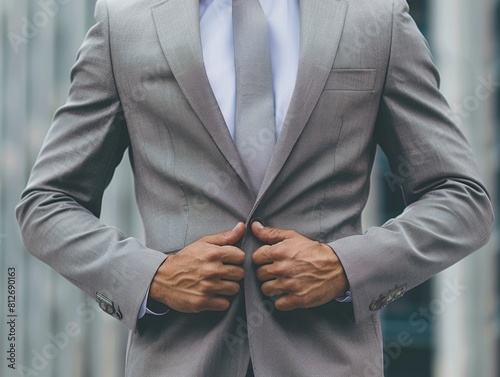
(156, 306)
(157, 286)
(341, 280)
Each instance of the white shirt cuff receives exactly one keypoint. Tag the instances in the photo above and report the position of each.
(346, 297)
(144, 309)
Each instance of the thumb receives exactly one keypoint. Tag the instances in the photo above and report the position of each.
(229, 237)
(270, 235)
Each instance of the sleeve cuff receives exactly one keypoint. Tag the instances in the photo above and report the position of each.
(145, 310)
(346, 297)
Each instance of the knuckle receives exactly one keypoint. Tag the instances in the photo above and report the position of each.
(200, 303)
(242, 256)
(273, 232)
(206, 286)
(280, 251)
(223, 236)
(269, 290)
(271, 252)
(290, 285)
(261, 253)
(265, 292)
(236, 254)
(234, 289)
(280, 270)
(210, 272)
(260, 273)
(213, 254)
(229, 272)
(239, 273)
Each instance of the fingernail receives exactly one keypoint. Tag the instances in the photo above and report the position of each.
(236, 227)
(259, 224)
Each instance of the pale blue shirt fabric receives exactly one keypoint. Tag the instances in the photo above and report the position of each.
(216, 27)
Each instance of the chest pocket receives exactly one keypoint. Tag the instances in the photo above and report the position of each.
(351, 79)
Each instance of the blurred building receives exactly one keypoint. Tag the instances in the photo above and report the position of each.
(425, 334)
(456, 335)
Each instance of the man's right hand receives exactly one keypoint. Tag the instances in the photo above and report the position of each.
(198, 277)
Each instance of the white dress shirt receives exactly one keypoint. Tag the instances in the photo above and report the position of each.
(216, 25)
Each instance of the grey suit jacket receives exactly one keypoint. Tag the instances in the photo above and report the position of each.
(365, 77)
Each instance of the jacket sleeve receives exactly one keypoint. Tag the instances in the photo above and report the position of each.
(60, 207)
(448, 213)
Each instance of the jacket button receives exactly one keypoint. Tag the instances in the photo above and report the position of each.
(374, 306)
(254, 219)
(118, 314)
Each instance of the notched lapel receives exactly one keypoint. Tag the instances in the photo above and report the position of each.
(321, 23)
(177, 24)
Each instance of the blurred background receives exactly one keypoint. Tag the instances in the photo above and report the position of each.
(448, 327)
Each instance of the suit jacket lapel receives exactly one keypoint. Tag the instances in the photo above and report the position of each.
(321, 26)
(177, 24)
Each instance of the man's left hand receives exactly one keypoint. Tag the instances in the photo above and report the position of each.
(302, 272)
